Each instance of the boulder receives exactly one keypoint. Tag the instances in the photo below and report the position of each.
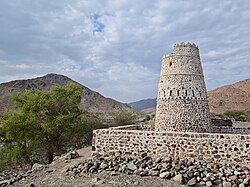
(209, 183)
(72, 155)
(226, 184)
(104, 165)
(37, 167)
(131, 166)
(191, 182)
(164, 175)
(178, 178)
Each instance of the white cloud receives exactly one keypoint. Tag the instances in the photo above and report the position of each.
(3, 62)
(115, 46)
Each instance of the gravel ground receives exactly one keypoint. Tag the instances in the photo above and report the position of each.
(55, 175)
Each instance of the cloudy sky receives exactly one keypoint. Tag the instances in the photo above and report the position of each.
(115, 46)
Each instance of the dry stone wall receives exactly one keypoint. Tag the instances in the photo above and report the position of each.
(182, 127)
(230, 130)
(222, 122)
(203, 146)
(182, 97)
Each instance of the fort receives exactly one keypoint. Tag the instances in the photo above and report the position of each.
(182, 97)
(182, 125)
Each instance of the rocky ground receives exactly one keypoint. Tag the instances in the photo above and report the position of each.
(80, 169)
(60, 173)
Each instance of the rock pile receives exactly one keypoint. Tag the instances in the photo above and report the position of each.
(183, 171)
(71, 155)
(9, 178)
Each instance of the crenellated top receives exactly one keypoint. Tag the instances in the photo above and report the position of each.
(182, 44)
(184, 49)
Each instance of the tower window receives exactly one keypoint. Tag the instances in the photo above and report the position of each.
(170, 64)
(170, 93)
(164, 94)
(193, 92)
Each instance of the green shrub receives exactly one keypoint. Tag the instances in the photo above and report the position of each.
(124, 117)
(238, 115)
(147, 118)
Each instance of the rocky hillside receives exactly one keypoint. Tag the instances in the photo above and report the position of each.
(230, 97)
(91, 101)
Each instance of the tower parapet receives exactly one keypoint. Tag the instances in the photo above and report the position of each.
(186, 49)
(182, 97)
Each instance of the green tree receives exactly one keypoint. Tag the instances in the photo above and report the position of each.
(43, 123)
(91, 123)
(17, 132)
(124, 117)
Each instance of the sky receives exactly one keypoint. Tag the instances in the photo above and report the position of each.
(115, 46)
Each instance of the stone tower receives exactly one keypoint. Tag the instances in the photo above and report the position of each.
(182, 97)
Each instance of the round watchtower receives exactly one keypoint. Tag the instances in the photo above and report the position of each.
(182, 97)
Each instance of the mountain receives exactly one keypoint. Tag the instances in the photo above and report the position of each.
(230, 97)
(143, 104)
(91, 101)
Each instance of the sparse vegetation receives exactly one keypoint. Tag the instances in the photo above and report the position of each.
(238, 115)
(148, 117)
(124, 117)
(44, 123)
(214, 115)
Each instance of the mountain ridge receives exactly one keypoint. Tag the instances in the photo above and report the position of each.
(234, 96)
(91, 101)
(140, 105)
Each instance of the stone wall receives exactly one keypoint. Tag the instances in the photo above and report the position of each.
(134, 127)
(204, 146)
(222, 122)
(230, 130)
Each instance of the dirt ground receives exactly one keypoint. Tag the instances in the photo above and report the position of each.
(55, 175)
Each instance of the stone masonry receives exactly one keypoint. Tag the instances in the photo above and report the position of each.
(182, 127)
(216, 147)
(182, 97)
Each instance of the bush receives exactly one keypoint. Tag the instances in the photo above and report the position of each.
(124, 117)
(238, 115)
(147, 118)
